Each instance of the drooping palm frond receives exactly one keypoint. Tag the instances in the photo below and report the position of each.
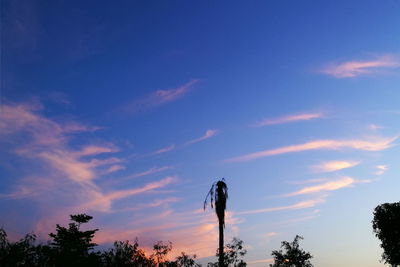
(221, 195)
(210, 194)
(218, 195)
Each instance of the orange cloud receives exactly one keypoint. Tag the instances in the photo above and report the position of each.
(375, 145)
(328, 186)
(331, 166)
(356, 68)
(290, 118)
(208, 134)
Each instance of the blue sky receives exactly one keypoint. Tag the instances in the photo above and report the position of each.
(130, 111)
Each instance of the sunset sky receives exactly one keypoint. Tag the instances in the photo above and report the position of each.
(130, 110)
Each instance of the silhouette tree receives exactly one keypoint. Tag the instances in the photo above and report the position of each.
(72, 247)
(233, 254)
(23, 252)
(293, 255)
(125, 254)
(386, 225)
(219, 194)
(185, 260)
(161, 251)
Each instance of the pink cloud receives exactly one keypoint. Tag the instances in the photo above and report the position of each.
(194, 233)
(95, 150)
(289, 118)
(208, 134)
(356, 68)
(113, 168)
(159, 98)
(327, 186)
(140, 174)
(374, 145)
(103, 202)
(300, 205)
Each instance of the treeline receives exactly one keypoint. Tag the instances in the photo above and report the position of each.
(70, 246)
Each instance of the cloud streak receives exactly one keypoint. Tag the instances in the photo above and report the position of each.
(374, 145)
(299, 205)
(289, 119)
(158, 98)
(163, 150)
(103, 202)
(352, 69)
(208, 134)
(335, 165)
(323, 187)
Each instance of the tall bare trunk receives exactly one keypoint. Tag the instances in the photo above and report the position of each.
(221, 244)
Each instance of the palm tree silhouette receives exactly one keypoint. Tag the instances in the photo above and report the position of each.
(219, 194)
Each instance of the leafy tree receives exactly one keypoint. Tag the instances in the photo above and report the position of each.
(160, 253)
(185, 260)
(72, 247)
(219, 194)
(386, 225)
(233, 254)
(125, 254)
(234, 251)
(23, 252)
(293, 256)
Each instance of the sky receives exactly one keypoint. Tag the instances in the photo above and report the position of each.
(130, 110)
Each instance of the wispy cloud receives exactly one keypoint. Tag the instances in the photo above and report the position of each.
(351, 69)
(158, 98)
(289, 118)
(114, 168)
(373, 145)
(374, 127)
(208, 134)
(163, 150)
(327, 186)
(103, 202)
(335, 165)
(150, 171)
(381, 169)
(300, 205)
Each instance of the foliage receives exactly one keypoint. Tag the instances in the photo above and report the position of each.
(73, 247)
(185, 260)
(234, 252)
(386, 225)
(160, 252)
(293, 256)
(125, 254)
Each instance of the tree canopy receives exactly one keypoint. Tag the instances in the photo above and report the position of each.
(292, 255)
(386, 226)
